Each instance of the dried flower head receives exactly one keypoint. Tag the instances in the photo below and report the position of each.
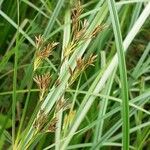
(74, 74)
(76, 12)
(43, 82)
(82, 63)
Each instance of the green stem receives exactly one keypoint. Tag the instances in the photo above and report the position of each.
(14, 96)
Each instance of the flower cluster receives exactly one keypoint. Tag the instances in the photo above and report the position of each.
(79, 35)
(43, 82)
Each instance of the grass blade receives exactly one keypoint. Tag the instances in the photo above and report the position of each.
(123, 73)
(53, 18)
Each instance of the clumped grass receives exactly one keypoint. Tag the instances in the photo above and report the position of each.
(74, 74)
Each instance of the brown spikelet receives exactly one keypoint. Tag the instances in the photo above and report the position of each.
(77, 71)
(47, 51)
(40, 120)
(80, 35)
(42, 82)
(91, 60)
(42, 54)
(97, 30)
(80, 63)
(62, 104)
(52, 125)
(76, 12)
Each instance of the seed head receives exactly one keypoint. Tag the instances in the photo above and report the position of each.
(80, 64)
(43, 81)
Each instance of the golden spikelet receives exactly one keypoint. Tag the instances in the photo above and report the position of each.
(69, 49)
(37, 63)
(68, 119)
